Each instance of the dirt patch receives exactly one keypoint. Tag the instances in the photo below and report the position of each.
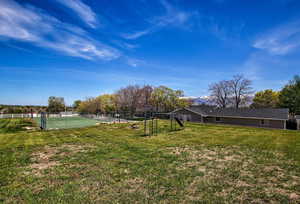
(294, 196)
(49, 157)
(135, 184)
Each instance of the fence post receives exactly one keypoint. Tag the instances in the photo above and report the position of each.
(145, 123)
(156, 124)
(171, 121)
(152, 128)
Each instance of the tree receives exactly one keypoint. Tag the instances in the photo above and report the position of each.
(289, 96)
(165, 99)
(90, 106)
(220, 93)
(76, 104)
(266, 99)
(145, 97)
(108, 104)
(56, 104)
(128, 98)
(241, 90)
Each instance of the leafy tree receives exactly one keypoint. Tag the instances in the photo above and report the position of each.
(108, 104)
(76, 104)
(266, 99)
(56, 104)
(101, 104)
(289, 96)
(90, 105)
(166, 99)
(183, 103)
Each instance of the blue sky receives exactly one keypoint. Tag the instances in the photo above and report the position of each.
(83, 48)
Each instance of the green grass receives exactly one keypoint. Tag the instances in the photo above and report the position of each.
(68, 122)
(117, 164)
(15, 124)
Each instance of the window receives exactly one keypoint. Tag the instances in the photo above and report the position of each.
(218, 119)
(262, 122)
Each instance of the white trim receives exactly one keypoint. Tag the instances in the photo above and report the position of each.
(284, 125)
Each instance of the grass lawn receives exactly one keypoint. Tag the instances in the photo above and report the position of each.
(116, 164)
(15, 124)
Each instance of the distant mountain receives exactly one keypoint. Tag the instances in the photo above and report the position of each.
(201, 101)
(198, 100)
(204, 100)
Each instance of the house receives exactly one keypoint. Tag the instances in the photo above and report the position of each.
(270, 118)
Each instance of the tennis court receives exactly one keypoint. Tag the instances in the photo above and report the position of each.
(68, 122)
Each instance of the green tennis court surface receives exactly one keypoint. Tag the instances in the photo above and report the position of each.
(68, 122)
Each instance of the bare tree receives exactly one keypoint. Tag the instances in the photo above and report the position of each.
(145, 96)
(241, 89)
(128, 98)
(220, 93)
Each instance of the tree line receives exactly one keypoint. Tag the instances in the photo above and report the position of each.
(238, 92)
(130, 99)
(133, 99)
(55, 105)
(19, 109)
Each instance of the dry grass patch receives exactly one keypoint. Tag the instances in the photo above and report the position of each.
(240, 172)
(134, 185)
(105, 188)
(50, 157)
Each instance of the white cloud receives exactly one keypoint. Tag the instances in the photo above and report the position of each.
(82, 10)
(266, 71)
(125, 45)
(32, 25)
(137, 34)
(134, 62)
(281, 40)
(172, 17)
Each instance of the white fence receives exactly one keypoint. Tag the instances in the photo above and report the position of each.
(36, 115)
(21, 115)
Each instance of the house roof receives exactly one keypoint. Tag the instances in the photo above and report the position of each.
(278, 113)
